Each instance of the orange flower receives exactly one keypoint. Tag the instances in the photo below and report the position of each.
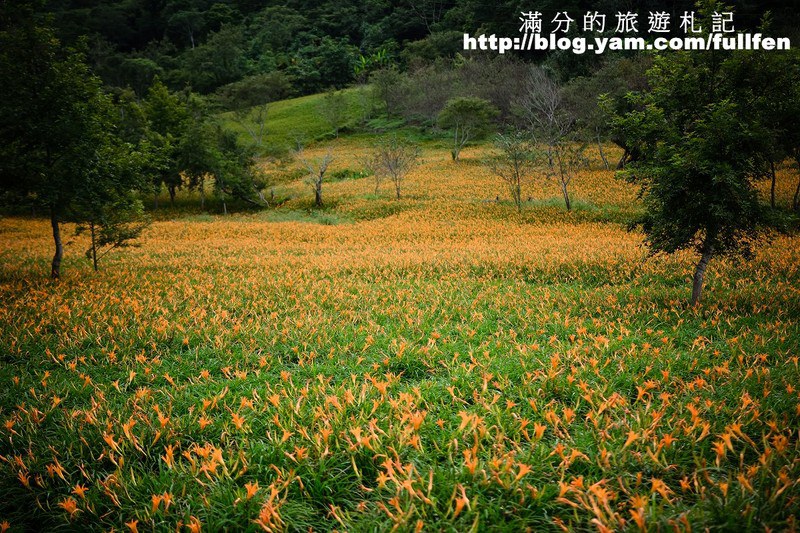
(194, 525)
(69, 505)
(80, 490)
(156, 502)
(251, 489)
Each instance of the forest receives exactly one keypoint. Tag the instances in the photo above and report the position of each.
(308, 47)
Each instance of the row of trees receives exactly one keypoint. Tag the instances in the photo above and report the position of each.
(509, 94)
(391, 160)
(186, 147)
(68, 148)
(544, 133)
(540, 108)
(699, 134)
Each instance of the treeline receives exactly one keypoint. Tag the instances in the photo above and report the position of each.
(301, 47)
(70, 149)
(512, 87)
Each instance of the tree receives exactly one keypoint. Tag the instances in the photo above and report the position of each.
(551, 123)
(369, 63)
(495, 78)
(592, 100)
(138, 72)
(390, 89)
(323, 63)
(699, 155)
(58, 143)
(196, 156)
(254, 91)
(234, 170)
(427, 92)
(514, 163)
(167, 119)
(187, 23)
(316, 175)
(112, 225)
(106, 203)
(218, 61)
(333, 109)
(392, 159)
(468, 117)
(568, 156)
(582, 100)
(254, 122)
(773, 94)
(158, 165)
(429, 12)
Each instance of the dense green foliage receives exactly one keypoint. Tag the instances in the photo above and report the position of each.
(59, 148)
(698, 166)
(209, 44)
(69, 149)
(710, 126)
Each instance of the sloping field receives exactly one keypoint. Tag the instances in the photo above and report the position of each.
(434, 363)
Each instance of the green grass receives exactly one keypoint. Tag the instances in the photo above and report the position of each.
(438, 362)
(437, 341)
(311, 215)
(298, 121)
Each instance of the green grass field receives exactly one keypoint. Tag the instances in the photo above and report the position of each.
(297, 122)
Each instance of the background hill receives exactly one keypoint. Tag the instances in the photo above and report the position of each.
(306, 47)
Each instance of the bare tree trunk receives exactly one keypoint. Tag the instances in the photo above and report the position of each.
(318, 193)
(563, 181)
(171, 189)
(623, 160)
(94, 246)
(567, 201)
(55, 268)
(796, 199)
(202, 193)
(602, 154)
(700, 272)
(397, 188)
(772, 187)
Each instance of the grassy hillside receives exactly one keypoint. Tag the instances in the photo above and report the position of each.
(438, 362)
(300, 120)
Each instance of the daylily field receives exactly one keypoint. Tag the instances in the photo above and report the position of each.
(435, 363)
